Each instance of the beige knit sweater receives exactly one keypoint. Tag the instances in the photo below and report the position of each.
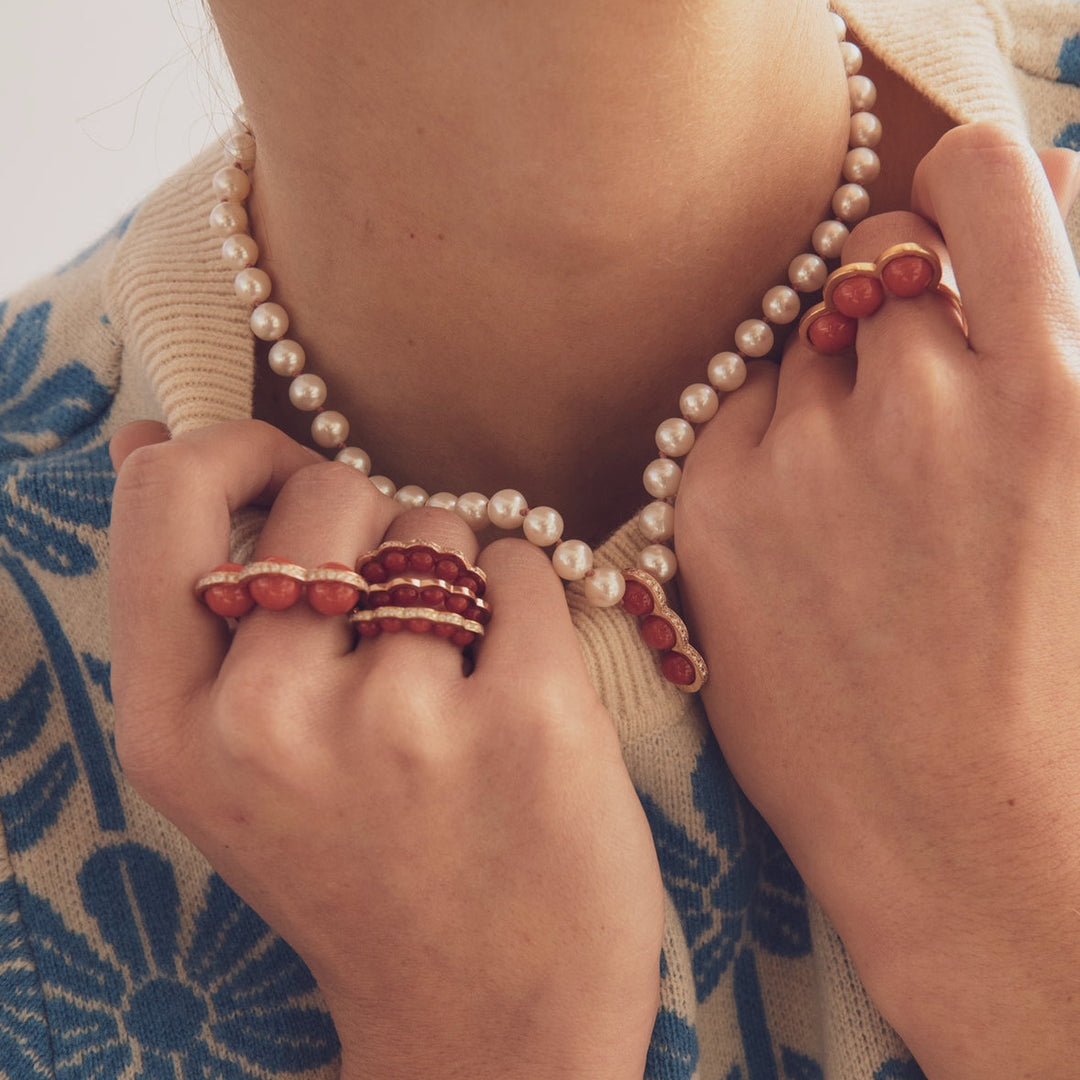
(121, 954)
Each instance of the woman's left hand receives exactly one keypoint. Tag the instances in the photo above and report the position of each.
(881, 559)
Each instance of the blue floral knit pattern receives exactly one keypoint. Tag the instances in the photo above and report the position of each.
(131, 959)
(155, 992)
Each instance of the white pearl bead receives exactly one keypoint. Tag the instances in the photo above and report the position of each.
(354, 457)
(727, 371)
(807, 273)
(240, 250)
(232, 183)
(329, 429)
(229, 217)
(307, 392)
(853, 57)
(753, 337)
(240, 115)
(851, 203)
(699, 403)
(781, 305)
(863, 93)
(253, 285)
(604, 587)
(862, 165)
(472, 508)
(287, 357)
(572, 560)
(659, 561)
(385, 485)
(662, 478)
(866, 130)
(543, 526)
(270, 322)
(839, 25)
(240, 149)
(507, 509)
(829, 239)
(442, 500)
(412, 496)
(675, 437)
(657, 522)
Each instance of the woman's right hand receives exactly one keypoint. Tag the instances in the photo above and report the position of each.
(462, 862)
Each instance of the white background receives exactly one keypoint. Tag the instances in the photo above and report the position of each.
(100, 102)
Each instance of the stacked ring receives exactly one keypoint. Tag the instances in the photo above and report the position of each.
(415, 586)
(232, 590)
(421, 587)
(857, 290)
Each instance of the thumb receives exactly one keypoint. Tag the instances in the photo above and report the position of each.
(1063, 171)
(134, 435)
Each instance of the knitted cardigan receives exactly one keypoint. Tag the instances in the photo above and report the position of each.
(122, 954)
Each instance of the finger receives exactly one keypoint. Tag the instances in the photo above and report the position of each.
(531, 634)
(810, 379)
(1062, 168)
(905, 339)
(324, 513)
(131, 436)
(742, 420)
(988, 193)
(400, 652)
(170, 525)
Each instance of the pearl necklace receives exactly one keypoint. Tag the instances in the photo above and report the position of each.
(508, 509)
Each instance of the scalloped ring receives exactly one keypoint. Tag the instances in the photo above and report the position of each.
(415, 586)
(857, 290)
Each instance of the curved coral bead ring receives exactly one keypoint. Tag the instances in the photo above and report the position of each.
(856, 291)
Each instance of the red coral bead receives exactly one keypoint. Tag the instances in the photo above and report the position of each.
(637, 599)
(332, 597)
(832, 333)
(374, 573)
(368, 629)
(378, 599)
(275, 592)
(421, 560)
(479, 614)
(908, 276)
(677, 669)
(391, 626)
(445, 630)
(433, 596)
(462, 638)
(395, 561)
(858, 297)
(467, 581)
(447, 570)
(658, 633)
(228, 601)
(457, 604)
(419, 626)
(404, 596)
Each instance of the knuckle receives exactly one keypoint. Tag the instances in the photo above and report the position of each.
(516, 557)
(1000, 153)
(331, 481)
(874, 234)
(982, 136)
(153, 473)
(439, 526)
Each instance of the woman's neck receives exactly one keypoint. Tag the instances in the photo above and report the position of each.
(508, 235)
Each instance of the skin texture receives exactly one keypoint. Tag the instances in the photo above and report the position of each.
(905, 686)
(497, 225)
(529, 195)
